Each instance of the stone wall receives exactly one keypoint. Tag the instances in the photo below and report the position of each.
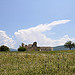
(39, 49)
(46, 48)
(32, 49)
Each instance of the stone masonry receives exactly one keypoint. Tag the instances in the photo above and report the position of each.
(33, 47)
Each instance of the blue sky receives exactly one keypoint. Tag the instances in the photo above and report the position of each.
(20, 19)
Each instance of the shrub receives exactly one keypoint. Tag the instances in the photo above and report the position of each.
(21, 49)
(38, 49)
(4, 48)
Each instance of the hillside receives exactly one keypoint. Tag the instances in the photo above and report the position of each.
(11, 49)
(61, 48)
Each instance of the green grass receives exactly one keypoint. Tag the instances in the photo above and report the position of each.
(38, 63)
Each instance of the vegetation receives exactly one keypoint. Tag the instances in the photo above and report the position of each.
(4, 48)
(69, 45)
(21, 49)
(38, 63)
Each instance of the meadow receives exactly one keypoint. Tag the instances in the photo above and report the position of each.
(38, 63)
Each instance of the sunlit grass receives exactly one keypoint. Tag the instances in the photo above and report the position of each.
(37, 63)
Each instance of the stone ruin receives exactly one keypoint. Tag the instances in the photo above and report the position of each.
(34, 47)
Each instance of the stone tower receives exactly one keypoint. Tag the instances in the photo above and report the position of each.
(34, 44)
(23, 45)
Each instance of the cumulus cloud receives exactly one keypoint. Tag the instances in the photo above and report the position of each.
(6, 40)
(37, 34)
(62, 40)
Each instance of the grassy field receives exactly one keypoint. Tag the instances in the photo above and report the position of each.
(38, 63)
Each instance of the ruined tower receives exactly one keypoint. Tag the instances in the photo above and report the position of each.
(23, 45)
(34, 44)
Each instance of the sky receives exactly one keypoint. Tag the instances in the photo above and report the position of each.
(48, 22)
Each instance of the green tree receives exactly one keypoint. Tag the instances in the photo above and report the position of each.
(21, 49)
(69, 44)
(4, 48)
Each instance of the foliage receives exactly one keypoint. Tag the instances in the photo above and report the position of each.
(38, 49)
(21, 49)
(37, 63)
(4, 48)
(69, 45)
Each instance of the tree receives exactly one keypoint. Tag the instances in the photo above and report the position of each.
(21, 49)
(69, 44)
(4, 48)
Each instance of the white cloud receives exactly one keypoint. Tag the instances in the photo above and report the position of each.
(6, 40)
(62, 40)
(37, 34)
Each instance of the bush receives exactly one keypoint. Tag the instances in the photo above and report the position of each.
(4, 48)
(38, 49)
(21, 49)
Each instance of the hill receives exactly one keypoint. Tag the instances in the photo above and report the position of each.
(61, 48)
(11, 49)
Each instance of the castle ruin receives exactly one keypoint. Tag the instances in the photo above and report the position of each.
(34, 47)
